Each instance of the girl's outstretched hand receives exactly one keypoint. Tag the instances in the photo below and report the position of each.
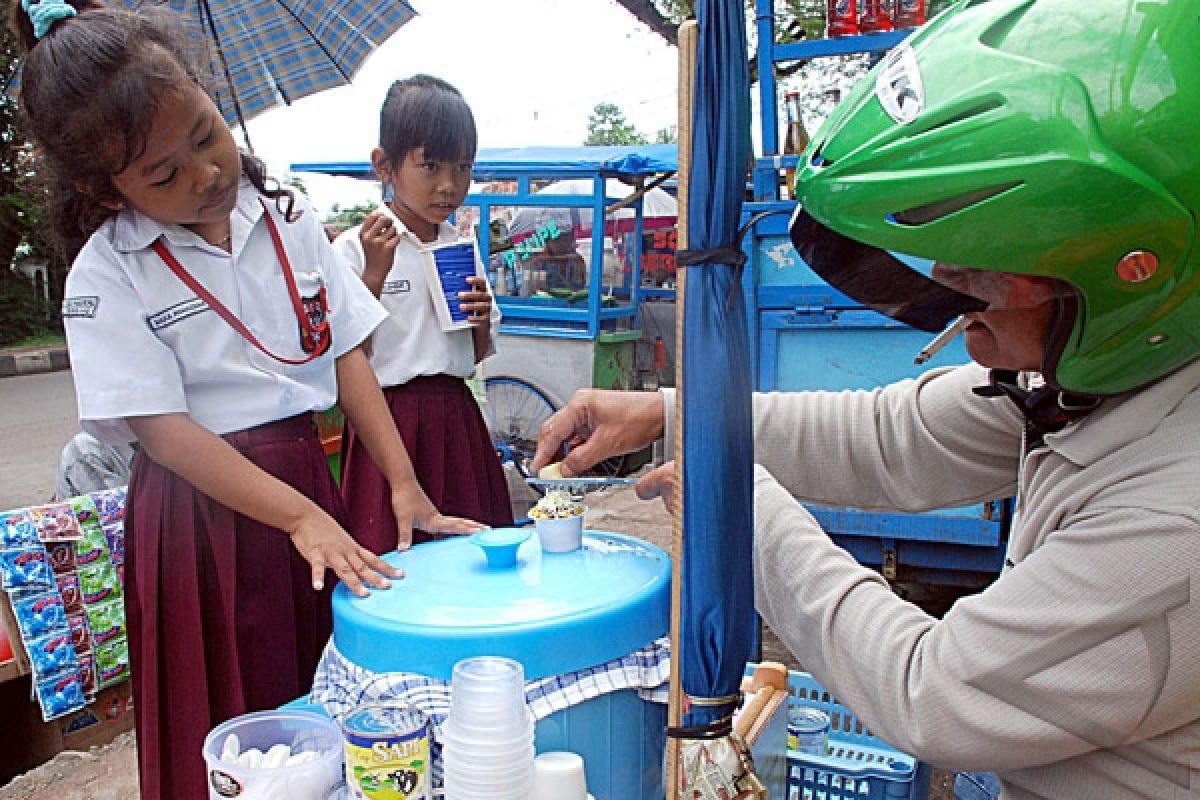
(413, 509)
(325, 545)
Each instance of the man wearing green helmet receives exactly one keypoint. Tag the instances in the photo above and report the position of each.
(1051, 147)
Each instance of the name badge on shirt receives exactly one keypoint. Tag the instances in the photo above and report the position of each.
(84, 306)
(396, 287)
(177, 312)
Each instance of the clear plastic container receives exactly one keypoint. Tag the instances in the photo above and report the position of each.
(300, 731)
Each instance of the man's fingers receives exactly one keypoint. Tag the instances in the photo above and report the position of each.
(659, 482)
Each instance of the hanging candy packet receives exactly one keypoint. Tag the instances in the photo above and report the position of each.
(81, 632)
(17, 531)
(62, 557)
(56, 522)
(87, 673)
(99, 582)
(114, 536)
(112, 662)
(60, 694)
(26, 568)
(70, 591)
(110, 504)
(106, 620)
(51, 654)
(39, 614)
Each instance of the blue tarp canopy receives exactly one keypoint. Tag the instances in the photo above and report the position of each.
(493, 163)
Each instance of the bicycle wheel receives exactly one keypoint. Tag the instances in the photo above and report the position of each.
(514, 412)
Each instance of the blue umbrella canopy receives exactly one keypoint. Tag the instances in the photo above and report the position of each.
(255, 55)
(717, 603)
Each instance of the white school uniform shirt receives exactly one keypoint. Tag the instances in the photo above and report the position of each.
(411, 342)
(142, 342)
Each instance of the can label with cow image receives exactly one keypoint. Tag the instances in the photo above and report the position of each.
(387, 752)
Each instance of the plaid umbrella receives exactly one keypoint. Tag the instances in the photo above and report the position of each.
(258, 54)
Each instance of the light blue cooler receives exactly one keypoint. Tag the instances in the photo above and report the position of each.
(557, 613)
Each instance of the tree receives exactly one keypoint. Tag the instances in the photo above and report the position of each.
(607, 125)
(23, 313)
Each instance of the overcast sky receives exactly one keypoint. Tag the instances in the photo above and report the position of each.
(532, 71)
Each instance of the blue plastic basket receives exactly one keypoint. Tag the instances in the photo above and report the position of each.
(858, 765)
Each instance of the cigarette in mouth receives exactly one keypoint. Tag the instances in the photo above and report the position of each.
(941, 340)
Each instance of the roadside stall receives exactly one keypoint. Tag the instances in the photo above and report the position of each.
(584, 303)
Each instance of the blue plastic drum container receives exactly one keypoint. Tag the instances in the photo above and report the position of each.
(556, 613)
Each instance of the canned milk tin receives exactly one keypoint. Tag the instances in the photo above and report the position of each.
(808, 731)
(387, 752)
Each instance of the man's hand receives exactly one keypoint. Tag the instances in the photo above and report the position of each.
(598, 424)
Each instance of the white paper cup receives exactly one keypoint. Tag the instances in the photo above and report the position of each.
(560, 535)
(558, 775)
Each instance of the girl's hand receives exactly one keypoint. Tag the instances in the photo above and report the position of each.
(325, 545)
(379, 238)
(477, 302)
(413, 509)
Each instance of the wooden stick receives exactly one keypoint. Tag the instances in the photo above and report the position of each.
(688, 36)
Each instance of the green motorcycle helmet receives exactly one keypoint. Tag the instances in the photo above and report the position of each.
(1039, 137)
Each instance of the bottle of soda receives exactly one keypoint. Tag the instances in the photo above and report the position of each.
(908, 13)
(842, 18)
(875, 17)
(795, 140)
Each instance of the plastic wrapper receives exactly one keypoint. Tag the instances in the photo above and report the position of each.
(70, 591)
(26, 568)
(110, 505)
(81, 632)
(62, 557)
(60, 694)
(40, 614)
(56, 522)
(114, 536)
(107, 621)
(51, 654)
(17, 530)
(112, 662)
(99, 582)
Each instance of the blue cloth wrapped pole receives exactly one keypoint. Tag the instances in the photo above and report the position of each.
(717, 608)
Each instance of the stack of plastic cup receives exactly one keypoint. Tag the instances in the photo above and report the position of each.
(487, 741)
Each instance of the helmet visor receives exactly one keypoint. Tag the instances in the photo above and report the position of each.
(878, 279)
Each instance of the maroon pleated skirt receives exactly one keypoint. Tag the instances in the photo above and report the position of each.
(222, 617)
(452, 454)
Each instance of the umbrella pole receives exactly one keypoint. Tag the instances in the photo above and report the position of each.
(688, 37)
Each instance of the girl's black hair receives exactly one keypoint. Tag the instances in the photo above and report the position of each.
(91, 88)
(424, 111)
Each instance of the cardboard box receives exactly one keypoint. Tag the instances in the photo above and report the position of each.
(110, 714)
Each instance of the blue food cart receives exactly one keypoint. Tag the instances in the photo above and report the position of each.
(566, 233)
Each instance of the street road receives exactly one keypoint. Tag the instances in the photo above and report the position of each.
(37, 417)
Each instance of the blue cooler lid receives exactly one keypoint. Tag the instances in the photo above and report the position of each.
(553, 612)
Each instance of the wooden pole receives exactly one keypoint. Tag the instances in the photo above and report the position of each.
(688, 36)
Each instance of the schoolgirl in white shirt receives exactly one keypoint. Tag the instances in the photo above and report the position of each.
(426, 151)
(206, 319)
